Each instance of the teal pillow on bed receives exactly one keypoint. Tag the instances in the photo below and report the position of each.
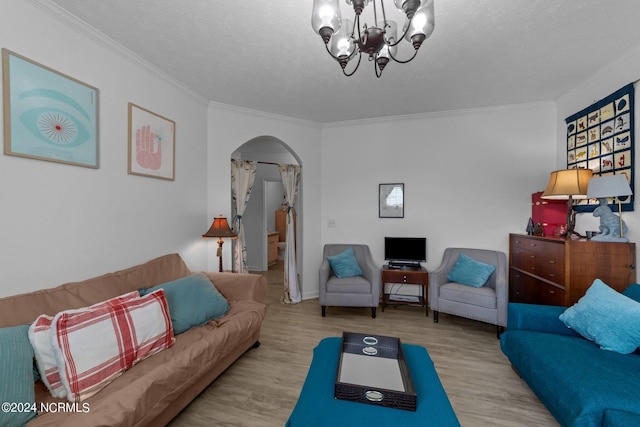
(345, 264)
(192, 301)
(16, 375)
(468, 271)
(607, 318)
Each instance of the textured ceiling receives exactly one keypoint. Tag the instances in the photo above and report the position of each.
(263, 54)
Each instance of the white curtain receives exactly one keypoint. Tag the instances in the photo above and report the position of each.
(243, 173)
(290, 175)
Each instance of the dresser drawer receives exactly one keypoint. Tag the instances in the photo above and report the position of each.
(542, 258)
(522, 287)
(550, 295)
(522, 258)
(416, 278)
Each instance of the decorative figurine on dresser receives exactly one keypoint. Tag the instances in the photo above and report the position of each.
(612, 227)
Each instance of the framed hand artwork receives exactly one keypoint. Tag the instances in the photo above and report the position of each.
(151, 144)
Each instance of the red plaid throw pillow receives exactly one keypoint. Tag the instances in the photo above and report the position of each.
(40, 337)
(95, 345)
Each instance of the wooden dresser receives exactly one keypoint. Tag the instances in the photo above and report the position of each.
(558, 271)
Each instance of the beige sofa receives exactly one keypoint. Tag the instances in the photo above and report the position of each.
(155, 390)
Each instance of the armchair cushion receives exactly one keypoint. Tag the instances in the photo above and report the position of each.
(345, 264)
(468, 271)
(606, 317)
(482, 296)
(351, 285)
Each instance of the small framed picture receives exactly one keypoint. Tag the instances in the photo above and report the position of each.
(151, 144)
(391, 201)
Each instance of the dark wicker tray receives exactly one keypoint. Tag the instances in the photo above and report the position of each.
(372, 369)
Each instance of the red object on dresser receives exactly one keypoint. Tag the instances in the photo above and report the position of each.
(551, 214)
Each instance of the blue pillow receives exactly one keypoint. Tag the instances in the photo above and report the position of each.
(16, 373)
(345, 264)
(468, 271)
(192, 301)
(633, 292)
(607, 318)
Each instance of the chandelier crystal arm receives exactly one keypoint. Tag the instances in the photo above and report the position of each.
(355, 69)
(400, 61)
(404, 34)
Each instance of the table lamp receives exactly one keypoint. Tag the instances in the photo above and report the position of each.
(220, 228)
(568, 184)
(612, 228)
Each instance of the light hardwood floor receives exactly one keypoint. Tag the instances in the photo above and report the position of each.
(262, 387)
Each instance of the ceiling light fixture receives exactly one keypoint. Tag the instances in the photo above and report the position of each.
(344, 39)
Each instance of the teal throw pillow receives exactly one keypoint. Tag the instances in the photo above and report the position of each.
(607, 318)
(16, 375)
(633, 292)
(468, 271)
(345, 264)
(192, 301)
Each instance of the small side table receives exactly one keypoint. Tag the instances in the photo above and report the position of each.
(405, 275)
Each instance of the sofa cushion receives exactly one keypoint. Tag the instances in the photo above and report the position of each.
(40, 338)
(95, 345)
(16, 373)
(617, 418)
(193, 301)
(345, 264)
(606, 317)
(470, 272)
(572, 376)
(482, 297)
(145, 391)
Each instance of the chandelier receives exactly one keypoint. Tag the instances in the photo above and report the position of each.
(345, 39)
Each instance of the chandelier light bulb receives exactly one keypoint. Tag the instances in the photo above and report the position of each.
(421, 26)
(325, 18)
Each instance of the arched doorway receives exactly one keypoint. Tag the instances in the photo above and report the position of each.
(268, 151)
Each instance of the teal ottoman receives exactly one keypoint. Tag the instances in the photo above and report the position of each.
(317, 406)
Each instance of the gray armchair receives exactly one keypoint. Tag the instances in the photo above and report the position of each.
(357, 291)
(486, 304)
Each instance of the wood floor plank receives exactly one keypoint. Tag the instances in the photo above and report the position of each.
(262, 387)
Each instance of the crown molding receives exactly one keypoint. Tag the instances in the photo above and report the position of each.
(439, 114)
(264, 114)
(82, 27)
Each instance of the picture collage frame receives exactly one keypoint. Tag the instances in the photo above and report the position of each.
(601, 138)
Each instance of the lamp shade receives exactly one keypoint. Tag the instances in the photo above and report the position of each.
(608, 186)
(219, 228)
(568, 182)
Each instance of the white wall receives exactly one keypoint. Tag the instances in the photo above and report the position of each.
(229, 128)
(468, 176)
(62, 223)
(608, 80)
